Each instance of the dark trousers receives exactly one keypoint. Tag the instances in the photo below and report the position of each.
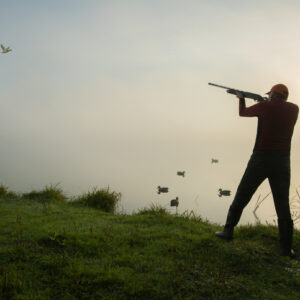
(264, 164)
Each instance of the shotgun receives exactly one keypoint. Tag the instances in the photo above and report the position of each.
(236, 92)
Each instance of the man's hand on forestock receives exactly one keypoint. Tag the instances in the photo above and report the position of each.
(239, 95)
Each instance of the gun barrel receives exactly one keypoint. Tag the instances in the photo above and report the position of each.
(220, 86)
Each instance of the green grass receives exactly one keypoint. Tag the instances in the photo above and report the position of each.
(49, 193)
(62, 251)
(102, 199)
(5, 193)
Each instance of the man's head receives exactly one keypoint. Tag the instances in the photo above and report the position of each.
(279, 91)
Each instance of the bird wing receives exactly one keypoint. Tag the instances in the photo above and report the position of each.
(3, 48)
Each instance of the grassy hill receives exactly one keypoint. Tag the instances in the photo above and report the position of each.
(57, 250)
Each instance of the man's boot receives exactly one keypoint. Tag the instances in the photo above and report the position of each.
(285, 228)
(226, 234)
(233, 218)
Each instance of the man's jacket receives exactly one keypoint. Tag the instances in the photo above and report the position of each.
(276, 121)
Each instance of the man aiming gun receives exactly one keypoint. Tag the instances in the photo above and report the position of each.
(270, 159)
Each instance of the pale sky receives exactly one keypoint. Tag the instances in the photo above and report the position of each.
(115, 93)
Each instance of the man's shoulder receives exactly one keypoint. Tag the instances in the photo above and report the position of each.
(293, 105)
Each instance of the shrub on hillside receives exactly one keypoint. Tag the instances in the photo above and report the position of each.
(101, 199)
(153, 209)
(48, 193)
(4, 192)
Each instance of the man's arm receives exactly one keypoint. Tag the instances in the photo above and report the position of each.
(251, 111)
(296, 113)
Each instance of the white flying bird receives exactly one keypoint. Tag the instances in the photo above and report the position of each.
(5, 49)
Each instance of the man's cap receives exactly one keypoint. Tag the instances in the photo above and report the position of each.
(280, 89)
